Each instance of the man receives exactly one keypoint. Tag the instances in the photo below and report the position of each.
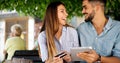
(15, 42)
(100, 32)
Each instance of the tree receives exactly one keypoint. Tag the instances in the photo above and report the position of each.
(112, 9)
(38, 7)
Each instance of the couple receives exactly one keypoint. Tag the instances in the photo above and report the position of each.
(98, 31)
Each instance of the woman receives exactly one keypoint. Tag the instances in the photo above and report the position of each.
(56, 35)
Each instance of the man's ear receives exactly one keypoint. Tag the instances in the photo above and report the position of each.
(11, 34)
(96, 8)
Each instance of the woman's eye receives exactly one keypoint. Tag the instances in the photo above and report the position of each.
(62, 11)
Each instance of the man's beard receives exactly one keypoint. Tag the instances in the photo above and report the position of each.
(90, 17)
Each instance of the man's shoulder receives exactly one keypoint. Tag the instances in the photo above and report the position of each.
(116, 23)
(11, 39)
(113, 21)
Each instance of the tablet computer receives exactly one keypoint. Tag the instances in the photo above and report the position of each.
(75, 50)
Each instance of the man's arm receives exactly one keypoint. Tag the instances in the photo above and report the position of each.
(92, 56)
(110, 59)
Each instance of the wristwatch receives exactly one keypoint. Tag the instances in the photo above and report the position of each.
(99, 59)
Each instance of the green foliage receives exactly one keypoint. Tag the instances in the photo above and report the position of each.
(38, 7)
(112, 9)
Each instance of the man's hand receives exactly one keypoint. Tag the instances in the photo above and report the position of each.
(90, 56)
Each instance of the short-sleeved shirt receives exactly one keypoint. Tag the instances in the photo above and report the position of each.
(107, 43)
(68, 39)
(13, 44)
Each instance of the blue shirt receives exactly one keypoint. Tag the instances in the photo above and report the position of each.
(68, 39)
(105, 44)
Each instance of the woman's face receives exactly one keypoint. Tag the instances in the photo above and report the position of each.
(62, 14)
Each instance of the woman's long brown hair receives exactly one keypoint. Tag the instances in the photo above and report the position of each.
(51, 26)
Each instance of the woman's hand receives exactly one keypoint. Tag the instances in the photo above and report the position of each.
(55, 60)
(67, 58)
(90, 56)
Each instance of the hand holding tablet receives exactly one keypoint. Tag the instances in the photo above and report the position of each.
(76, 50)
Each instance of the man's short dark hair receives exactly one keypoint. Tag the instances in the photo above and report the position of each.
(101, 1)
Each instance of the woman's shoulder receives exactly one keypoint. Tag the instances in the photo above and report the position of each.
(42, 34)
(71, 32)
(42, 37)
(71, 29)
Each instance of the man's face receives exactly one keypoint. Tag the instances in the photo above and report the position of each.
(88, 10)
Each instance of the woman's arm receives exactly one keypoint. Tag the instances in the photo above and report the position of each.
(42, 46)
